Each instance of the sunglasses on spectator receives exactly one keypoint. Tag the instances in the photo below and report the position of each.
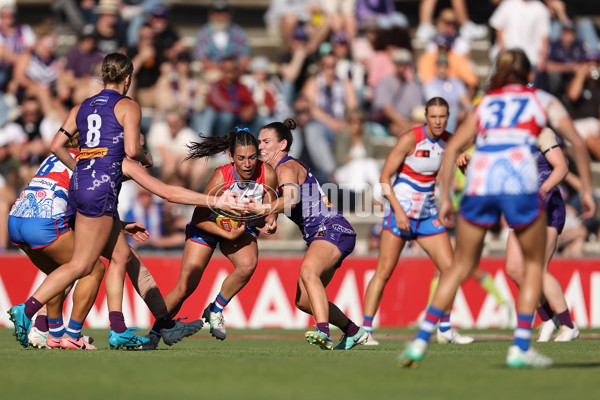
(302, 111)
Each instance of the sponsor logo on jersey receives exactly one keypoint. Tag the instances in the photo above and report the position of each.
(100, 100)
(93, 153)
(422, 153)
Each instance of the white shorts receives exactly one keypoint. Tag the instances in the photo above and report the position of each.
(587, 127)
(344, 7)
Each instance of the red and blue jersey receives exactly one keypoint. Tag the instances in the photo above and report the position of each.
(414, 185)
(46, 194)
(508, 121)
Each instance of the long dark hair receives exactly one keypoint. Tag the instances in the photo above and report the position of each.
(210, 146)
(283, 130)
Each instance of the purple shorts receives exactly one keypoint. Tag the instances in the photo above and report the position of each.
(339, 232)
(92, 203)
(555, 211)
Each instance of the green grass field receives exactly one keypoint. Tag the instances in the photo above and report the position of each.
(278, 364)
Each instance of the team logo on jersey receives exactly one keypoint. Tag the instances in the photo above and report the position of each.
(422, 153)
(436, 222)
(418, 197)
(100, 100)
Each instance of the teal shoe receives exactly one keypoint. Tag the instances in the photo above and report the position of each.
(518, 358)
(126, 340)
(22, 323)
(349, 342)
(320, 339)
(412, 354)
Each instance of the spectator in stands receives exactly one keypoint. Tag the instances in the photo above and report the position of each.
(396, 99)
(447, 24)
(166, 39)
(583, 95)
(450, 89)
(36, 73)
(330, 97)
(14, 39)
(228, 103)
(110, 37)
(221, 39)
(167, 231)
(458, 64)
(30, 134)
(79, 78)
(294, 65)
(357, 170)
(286, 16)
(387, 40)
(179, 87)
(529, 32)
(468, 29)
(266, 90)
(167, 141)
(346, 67)
(569, 14)
(146, 67)
(382, 10)
(310, 143)
(340, 15)
(135, 13)
(565, 56)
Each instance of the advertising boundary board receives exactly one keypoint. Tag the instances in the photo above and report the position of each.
(267, 301)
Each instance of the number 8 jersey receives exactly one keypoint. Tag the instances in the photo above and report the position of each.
(102, 147)
(508, 122)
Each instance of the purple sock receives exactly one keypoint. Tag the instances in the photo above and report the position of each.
(164, 323)
(351, 329)
(323, 327)
(545, 312)
(41, 323)
(117, 321)
(32, 305)
(564, 318)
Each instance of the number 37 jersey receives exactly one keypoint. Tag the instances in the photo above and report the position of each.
(102, 147)
(508, 122)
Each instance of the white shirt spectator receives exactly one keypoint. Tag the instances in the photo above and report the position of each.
(524, 25)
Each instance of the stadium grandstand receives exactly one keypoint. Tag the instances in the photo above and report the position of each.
(184, 45)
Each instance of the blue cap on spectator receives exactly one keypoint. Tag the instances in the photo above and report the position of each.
(160, 11)
(300, 33)
(339, 37)
(220, 6)
(443, 40)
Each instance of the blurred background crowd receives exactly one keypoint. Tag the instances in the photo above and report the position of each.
(354, 74)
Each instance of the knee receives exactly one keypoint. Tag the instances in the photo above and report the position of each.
(246, 269)
(309, 275)
(514, 273)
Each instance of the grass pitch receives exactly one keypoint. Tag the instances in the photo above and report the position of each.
(279, 364)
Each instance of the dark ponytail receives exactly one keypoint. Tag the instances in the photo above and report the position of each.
(210, 146)
(283, 130)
